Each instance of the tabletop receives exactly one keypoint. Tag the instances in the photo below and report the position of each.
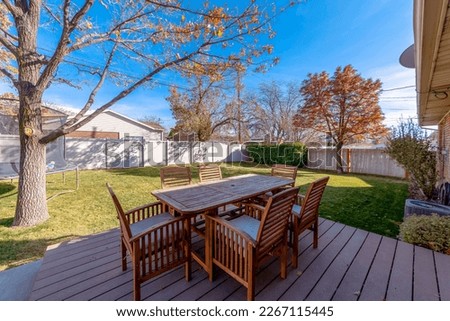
(201, 197)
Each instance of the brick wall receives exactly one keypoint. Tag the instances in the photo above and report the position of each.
(93, 134)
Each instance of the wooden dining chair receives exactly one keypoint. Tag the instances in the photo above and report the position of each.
(239, 246)
(305, 215)
(279, 170)
(287, 171)
(210, 172)
(155, 240)
(172, 176)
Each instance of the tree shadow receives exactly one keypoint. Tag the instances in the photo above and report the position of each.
(14, 253)
(6, 222)
(150, 171)
(5, 188)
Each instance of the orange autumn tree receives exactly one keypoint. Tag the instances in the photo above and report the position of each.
(85, 44)
(344, 106)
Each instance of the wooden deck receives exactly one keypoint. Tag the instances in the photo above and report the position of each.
(349, 264)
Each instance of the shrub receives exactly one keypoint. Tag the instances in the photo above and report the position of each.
(431, 231)
(294, 154)
(410, 146)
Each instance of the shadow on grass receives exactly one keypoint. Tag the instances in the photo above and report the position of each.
(6, 222)
(371, 203)
(6, 188)
(228, 169)
(150, 171)
(14, 253)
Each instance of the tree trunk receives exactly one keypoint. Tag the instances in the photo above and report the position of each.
(31, 207)
(339, 168)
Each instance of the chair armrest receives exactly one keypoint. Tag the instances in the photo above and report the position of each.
(159, 226)
(144, 211)
(300, 199)
(254, 210)
(254, 206)
(216, 222)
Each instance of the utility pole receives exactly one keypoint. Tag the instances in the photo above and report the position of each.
(238, 103)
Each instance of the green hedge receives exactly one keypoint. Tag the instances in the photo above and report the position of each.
(295, 154)
(431, 231)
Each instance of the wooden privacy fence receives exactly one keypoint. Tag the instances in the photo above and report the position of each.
(356, 160)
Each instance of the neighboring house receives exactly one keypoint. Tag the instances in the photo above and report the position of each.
(111, 124)
(9, 137)
(430, 55)
(9, 110)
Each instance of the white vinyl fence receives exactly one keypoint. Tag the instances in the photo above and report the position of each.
(119, 153)
(10, 155)
(134, 152)
(363, 161)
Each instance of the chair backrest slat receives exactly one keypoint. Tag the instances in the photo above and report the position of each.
(311, 203)
(209, 172)
(285, 171)
(124, 224)
(172, 176)
(274, 221)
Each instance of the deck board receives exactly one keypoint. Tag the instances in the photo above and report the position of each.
(330, 280)
(425, 281)
(327, 232)
(351, 285)
(349, 264)
(443, 275)
(400, 285)
(310, 276)
(377, 280)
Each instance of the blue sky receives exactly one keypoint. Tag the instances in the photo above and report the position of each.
(315, 36)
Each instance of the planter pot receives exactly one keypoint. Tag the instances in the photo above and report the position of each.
(425, 208)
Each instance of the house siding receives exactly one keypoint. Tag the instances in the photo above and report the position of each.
(444, 147)
(113, 123)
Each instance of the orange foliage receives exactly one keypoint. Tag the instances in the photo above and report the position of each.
(345, 106)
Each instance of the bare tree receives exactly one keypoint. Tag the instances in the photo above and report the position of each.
(153, 121)
(274, 109)
(145, 36)
(201, 109)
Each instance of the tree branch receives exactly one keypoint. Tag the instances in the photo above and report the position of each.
(179, 8)
(64, 129)
(8, 45)
(9, 75)
(51, 14)
(106, 35)
(14, 10)
(61, 49)
(93, 93)
(9, 35)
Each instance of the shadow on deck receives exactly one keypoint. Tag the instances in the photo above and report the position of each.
(349, 264)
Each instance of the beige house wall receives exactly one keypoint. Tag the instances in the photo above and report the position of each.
(444, 148)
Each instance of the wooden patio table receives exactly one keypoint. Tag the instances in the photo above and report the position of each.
(208, 197)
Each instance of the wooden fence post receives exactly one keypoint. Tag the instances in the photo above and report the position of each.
(349, 160)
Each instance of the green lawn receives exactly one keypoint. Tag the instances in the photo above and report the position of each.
(371, 203)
